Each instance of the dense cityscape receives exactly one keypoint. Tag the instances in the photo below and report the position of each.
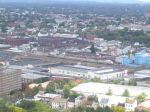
(74, 57)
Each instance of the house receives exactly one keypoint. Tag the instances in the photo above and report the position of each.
(59, 103)
(104, 102)
(130, 105)
(110, 101)
(71, 102)
(79, 100)
(75, 101)
(55, 101)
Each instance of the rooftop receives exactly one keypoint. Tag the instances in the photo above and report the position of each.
(86, 69)
(117, 90)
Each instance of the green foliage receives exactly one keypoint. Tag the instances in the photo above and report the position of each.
(93, 98)
(96, 79)
(105, 109)
(125, 35)
(126, 93)
(40, 107)
(109, 92)
(118, 109)
(3, 105)
(13, 108)
(66, 91)
(32, 92)
(67, 87)
(41, 80)
(51, 87)
(32, 106)
(132, 83)
(27, 105)
(141, 97)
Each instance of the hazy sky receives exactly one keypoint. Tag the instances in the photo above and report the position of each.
(107, 1)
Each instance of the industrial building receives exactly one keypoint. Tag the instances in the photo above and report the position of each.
(142, 59)
(104, 73)
(30, 77)
(141, 75)
(10, 80)
(117, 90)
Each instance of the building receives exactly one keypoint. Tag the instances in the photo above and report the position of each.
(105, 100)
(30, 77)
(10, 80)
(144, 105)
(17, 41)
(59, 103)
(104, 73)
(79, 100)
(142, 75)
(71, 102)
(55, 101)
(130, 105)
(142, 59)
(75, 101)
(117, 90)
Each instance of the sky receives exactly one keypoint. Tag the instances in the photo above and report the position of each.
(107, 1)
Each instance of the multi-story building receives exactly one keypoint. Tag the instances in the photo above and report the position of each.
(10, 80)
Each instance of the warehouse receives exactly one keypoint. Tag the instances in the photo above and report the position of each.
(141, 75)
(101, 88)
(104, 73)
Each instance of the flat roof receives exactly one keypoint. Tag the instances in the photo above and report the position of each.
(32, 76)
(86, 69)
(143, 72)
(5, 70)
(101, 88)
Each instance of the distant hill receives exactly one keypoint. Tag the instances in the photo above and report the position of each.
(104, 1)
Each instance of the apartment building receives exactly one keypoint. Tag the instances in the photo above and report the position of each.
(10, 80)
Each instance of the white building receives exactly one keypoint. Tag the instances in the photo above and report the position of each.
(130, 105)
(105, 100)
(104, 73)
(53, 100)
(79, 100)
(45, 97)
(75, 101)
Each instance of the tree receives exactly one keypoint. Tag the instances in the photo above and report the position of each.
(141, 97)
(13, 108)
(3, 105)
(66, 91)
(126, 93)
(132, 83)
(96, 79)
(92, 98)
(107, 109)
(118, 109)
(109, 91)
(92, 49)
(50, 88)
(41, 107)
(27, 105)
(34, 106)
